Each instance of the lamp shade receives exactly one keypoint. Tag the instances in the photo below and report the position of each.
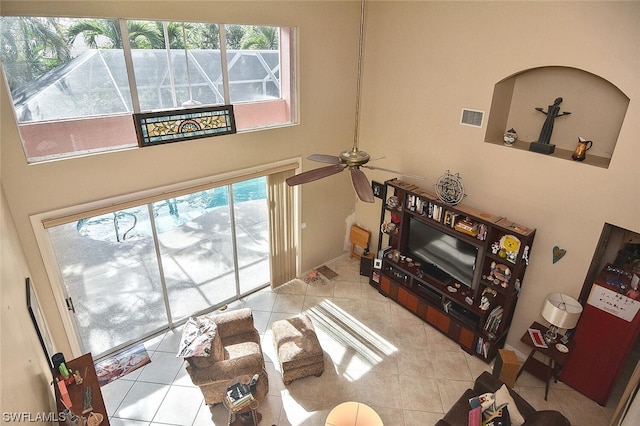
(561, 310)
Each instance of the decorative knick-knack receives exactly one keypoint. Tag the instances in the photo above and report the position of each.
(581, 149)
(510, 137)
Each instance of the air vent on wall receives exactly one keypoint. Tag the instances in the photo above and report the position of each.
(471, 117)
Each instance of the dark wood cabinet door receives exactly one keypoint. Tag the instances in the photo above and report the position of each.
(466, 337)
(385, 285)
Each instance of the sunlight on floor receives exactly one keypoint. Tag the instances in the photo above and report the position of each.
(351, 333)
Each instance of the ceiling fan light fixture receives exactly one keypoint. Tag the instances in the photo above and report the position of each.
(354, 157)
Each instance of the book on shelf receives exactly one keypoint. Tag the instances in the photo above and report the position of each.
(437, 212)
(450, 218)
(482, 347)
(421, 204)
(492, 323)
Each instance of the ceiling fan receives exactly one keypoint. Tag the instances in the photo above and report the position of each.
(352, 159)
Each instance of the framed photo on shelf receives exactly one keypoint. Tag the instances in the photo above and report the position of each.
(377, 263)
(38, 321)
(379, 190)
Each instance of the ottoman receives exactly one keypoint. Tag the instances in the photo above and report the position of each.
(298, 348)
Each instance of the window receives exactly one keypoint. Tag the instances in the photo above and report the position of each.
(72, 78)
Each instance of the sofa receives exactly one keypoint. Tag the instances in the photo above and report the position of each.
(458, 415)
(235, 352)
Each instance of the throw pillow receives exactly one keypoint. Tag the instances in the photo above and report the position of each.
(475, 416)
(488, 404)
(485, 401)
(498, 418)
(502, 397)
(197, 336)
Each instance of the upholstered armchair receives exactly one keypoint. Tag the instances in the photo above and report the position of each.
(235, 351)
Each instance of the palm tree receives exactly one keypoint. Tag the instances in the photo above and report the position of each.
(30, 46)
(261, 38)
(174, 33)
(105, 34)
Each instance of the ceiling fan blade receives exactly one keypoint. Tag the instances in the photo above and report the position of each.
(315, 174)
(324, 158)
(361, 185)
(394, 171)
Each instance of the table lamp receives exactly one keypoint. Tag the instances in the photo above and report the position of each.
(561, 311)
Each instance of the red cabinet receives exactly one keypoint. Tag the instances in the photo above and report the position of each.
(603, 341)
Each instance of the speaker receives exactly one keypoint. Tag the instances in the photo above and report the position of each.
(366, 265)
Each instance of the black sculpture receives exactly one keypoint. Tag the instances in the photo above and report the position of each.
(543, 145)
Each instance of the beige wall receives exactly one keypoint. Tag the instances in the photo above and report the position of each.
(425, 61)
(328, 39)
(22, 358)
(326, 124)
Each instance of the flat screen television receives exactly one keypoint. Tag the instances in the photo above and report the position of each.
(441, 255)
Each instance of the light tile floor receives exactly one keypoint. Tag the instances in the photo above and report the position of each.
(376, 352)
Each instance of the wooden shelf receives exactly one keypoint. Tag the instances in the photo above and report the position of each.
(563, 154)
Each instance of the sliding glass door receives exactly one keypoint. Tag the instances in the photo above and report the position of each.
(134, 272)
(195, 246)
(110, 272)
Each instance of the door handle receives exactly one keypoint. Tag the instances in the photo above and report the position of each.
(70, 306)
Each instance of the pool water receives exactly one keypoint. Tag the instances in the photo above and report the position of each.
(134, 223)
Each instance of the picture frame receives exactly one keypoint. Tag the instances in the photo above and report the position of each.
(377, 263)
(379, 190)
(33, 306)
(537, 338)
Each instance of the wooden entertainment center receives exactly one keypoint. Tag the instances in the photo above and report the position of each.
(476, 314)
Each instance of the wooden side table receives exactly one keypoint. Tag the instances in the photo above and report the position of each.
(84, 364)
(240, 416)
(555, 358)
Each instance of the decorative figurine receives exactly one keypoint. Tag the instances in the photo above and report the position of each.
(542, 145)
(488, 296)
(449, 188)
(510, 137)
(499, 274)
(495, 247)
(525, 255)
(509, 247)
(78, 377)
(581, 150)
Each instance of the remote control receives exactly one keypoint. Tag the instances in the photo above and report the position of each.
(254, 380)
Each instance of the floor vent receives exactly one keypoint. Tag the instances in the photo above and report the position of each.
(471, 117)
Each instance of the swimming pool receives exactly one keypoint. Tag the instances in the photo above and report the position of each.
(134, 223)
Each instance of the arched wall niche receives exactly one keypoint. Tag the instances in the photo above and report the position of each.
(597, 108)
